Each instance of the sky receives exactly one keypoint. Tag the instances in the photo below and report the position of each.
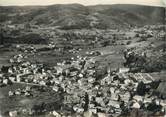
(84, 2)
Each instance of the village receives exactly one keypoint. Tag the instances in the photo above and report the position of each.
(82, 60)
(84, 87)
(53, 71)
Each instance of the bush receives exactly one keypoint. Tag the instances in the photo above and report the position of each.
(128, 42)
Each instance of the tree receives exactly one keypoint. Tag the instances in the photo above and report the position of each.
(141, 89)
(1, 37)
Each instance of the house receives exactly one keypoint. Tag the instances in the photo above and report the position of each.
(13, 113)
(114, 104)
(136, 105)
(123, 70)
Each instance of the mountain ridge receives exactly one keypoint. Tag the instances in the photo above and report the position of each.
(69, 16)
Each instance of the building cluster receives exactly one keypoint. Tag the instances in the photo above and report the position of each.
(21, 92)
(113, 93)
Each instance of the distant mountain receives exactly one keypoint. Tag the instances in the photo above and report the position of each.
(132, 14)
(78, 16)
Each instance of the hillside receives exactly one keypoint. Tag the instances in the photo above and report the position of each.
(131, 14)
(79, 16)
